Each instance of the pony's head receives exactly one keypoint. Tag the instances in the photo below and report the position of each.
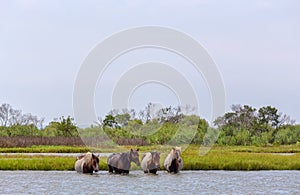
(176, 153)
(134, 156)
(95, 163)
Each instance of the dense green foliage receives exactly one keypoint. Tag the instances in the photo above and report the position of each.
(244, 125)
(63, 127)
(247, 126)
(189, 129)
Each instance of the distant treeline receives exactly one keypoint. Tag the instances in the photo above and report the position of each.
(28, 141)
(244, 125)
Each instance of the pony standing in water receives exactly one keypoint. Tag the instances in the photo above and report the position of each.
(173, 163)
(121, 162)
(150, 162)
(87, 163)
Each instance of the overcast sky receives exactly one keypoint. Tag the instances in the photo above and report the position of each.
(254, 43)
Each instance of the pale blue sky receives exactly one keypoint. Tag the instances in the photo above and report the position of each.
(255, 44)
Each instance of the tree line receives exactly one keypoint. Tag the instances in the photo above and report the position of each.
(243, 125)
(14, 123)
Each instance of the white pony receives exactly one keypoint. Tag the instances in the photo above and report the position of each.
(174, 163)
(150, 162)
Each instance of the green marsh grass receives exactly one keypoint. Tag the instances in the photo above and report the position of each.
(36, 163)
(218, 158)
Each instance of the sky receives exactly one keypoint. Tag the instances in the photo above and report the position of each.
(254, 43)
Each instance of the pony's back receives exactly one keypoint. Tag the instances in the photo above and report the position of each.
(80, 160)
(77, 165)
(168, 161)
(120, 162)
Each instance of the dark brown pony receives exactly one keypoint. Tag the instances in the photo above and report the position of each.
(87, 163)
(150, 162)
(120, 162)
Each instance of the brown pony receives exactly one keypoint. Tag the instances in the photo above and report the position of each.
(150, 162)
(120, 162)
(87, 163)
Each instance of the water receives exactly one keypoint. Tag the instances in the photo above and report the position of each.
(186, 182)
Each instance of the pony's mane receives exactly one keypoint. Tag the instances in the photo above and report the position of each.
(148, 156)
(89, 155)
(124, 155)
(178, 148)
(153, 154)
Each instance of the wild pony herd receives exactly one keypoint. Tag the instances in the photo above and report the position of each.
(119, 163)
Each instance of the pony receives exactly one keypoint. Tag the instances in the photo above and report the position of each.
(150, 162)
(87, 163)
(120, 162)
(174, 163)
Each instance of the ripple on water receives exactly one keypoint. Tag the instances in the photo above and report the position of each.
(192, 182)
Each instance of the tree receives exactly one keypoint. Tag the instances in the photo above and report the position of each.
(110, 121)
(245, 116)
(12, 117)
(170, 114)
(122, 119)
(148, 113)
(64, 127)
(268, 116)
(6, 113)
(246, 125)
(242, 117)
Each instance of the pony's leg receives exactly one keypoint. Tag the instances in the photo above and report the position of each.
(153, 171)
(174, 169)
(124, 171)
(85, 168)
(110, 169)
(167, 168)
(117, 171)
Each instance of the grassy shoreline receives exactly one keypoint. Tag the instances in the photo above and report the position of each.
(218, 158)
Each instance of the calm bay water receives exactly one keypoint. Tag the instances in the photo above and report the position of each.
(187, 182)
